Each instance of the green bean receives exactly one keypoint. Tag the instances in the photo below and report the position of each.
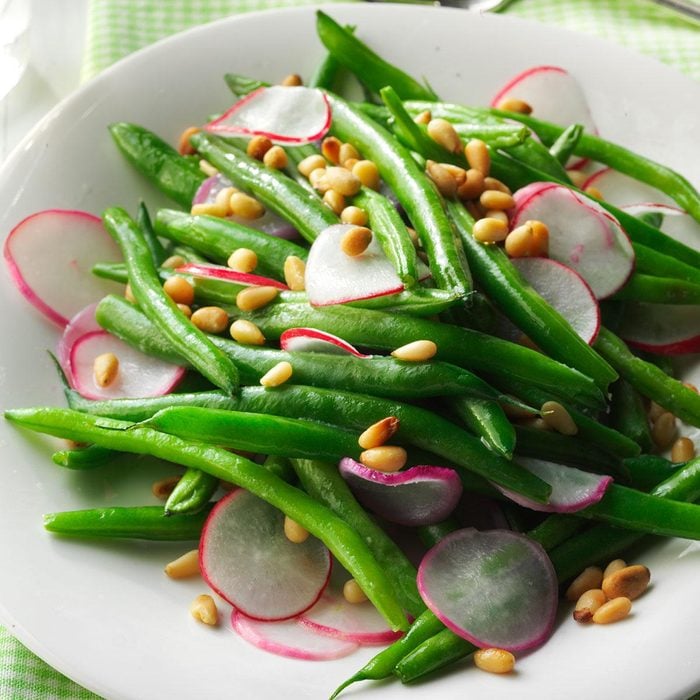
(555, 529)
(241, 85)
(430, 535)
(192, 492)
(185, 338)
(628, 415)
(563, 148)
(539, 157)
(651, 261)
(647, 471)
(84, 458)
(659, 290)
(280, 467)
(486, 419)
(143, 220)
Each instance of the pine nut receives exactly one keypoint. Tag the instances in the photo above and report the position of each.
(535, 424)
(203, 609)
(209, 209)
(477, 154)
(343, 181)
(663, 432)
(490, 230)
(690, 386)
(613, 566)
(311, 163)
(245, 206)
(353, 593)
(655, 411)
(513, 104)
(385, 458)
(173, 262)
(295, 532)
(164, 487)
(292, 80)
(459, 174)
(210, 319)
(252, 298)
(349, 164)
(473, 185)
(683, 450)
(494, 660)
(186, 310)
(294, 271)
(495, 214)
(276, 158)
(442, 177)
(558, 418)
(278, 375)
(519, 243)
(330, 149)
(179, 290)
(246, 333)
(367, 173)
(243, 260)
(613, 611)
(354, 215)
(491, 183)
(348, 152)
(207, 168)
(423, 118)
(223, 199)
(355, 241)
(540, 234)
(442, 132)
(184, 147)
(318, 180)
(588, 603)
(629, 582)
(493, 199)
(413, 236)
(577, 178)
(334, 201)
(417, 351)
(593, 192)
(258, 146)
(185, 566)
(379, 433)
(590, 577)
(105, 369)
(128, 294)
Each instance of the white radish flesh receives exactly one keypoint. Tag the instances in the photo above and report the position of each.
(664, 329)
(676, 223)
(81, 324)
(314, 340)
(226, 274)
(622, 190)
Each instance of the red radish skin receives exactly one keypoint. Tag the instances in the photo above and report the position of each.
(314, 340)
(662, 329)
(226, 274)
(284, 114)
(622, 190)
(81, 324)
(676, 223)
(50, 256)
(246, 558)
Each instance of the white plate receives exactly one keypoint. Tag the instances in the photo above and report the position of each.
(107, 616)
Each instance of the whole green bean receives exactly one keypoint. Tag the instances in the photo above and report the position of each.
(628, 415)
(241, 85)
(565, 145)
(486, 419)
(192, 492)
(84, 458)
(143, 221)
(651, 261)
(647, 471)
(659, 290)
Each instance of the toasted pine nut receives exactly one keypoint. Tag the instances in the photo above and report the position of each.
(348, 152)
(494, 660)
(173, 261)
(417, 351)
(292, 80)
(294, 271)
(223, 199)
(655, 411)
(473, 185)
(663, 432)
(683, 450)
(474, 208)
(590, 577)
(203, 609)
(258, 146)
(209, 209)
(276, 158)
(179, 290)
(318, 180)
(354, 215)
(493, 199)
(105, 369)
(210, 319)
(424, 117)
(128, 294)
(613, 566)
(413, 235)
(278, 375)
(243, 260)
(534, 423)
(245, 206)
(540, 234)
(690, 386)
(252, 298)
(577, 178)
(442, 132)
(330, 149)
(246, 332)
(588, 603)
(186, 310)
(613, 611)
(557, 417)
(385, 458)
(343, 181)
(349, 164)
(459, 174)
(311, 163)
(513, 104)
(477, 154)
(491, 183)
(490, 230)
(353, 593)
(184, 147)
(355, 241)
(185, 566)
(495, 214)
(378, 433)
(442, 177)
(629, 582)
(368, 173)
(164, 487)
(593, 192)
(334, 201)
(207, 168)
(295, 532)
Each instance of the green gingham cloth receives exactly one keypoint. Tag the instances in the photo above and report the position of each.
(119, 27)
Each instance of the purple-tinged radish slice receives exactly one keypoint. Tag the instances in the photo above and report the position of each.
(247, 559)
(582, 235)
(572, 489)
(564, 290)
(621, 190)
(333, 277)
(290, 638)
(314, 340)
(226, 274)
(210, 188)
(51, 254)
(291, 115)
(421, 495)
(80, 325)
(662, 329)
(676, 223)
(495, 588)
(139, 376)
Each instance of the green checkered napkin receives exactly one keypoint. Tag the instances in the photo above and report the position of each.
(119, 27)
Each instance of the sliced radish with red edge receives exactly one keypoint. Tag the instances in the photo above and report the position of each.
(314, 340)
(620, 189)
(226, 274)
(663, 329)
(676, 223)
(81, 324)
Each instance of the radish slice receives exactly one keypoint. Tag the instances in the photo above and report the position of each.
(290, 638)
(247, 559)
(314, 340)
(621, 190)
(572, 489)
(421, 495)
(293, 115)
(51, 254)
(566, 291)
(582, 235)
(226, 274)
(663, 329)
(554, 95)
(332, 277)
(676, 223)
(81, 324)
(139, 375)
(495, 588)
